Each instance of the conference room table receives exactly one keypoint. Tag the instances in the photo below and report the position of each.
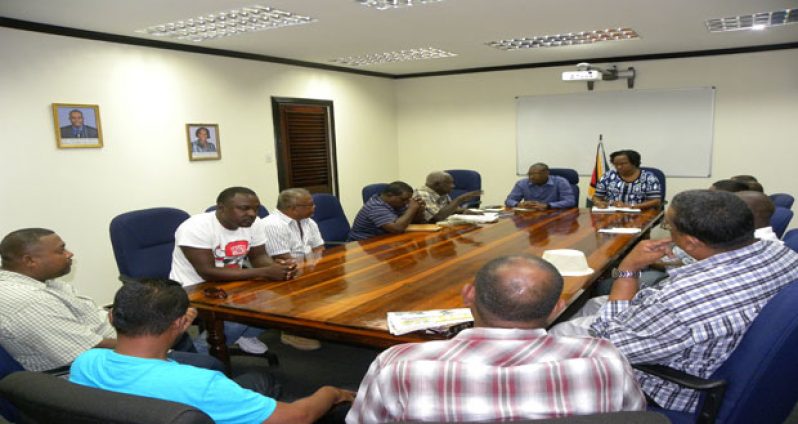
(344, 293)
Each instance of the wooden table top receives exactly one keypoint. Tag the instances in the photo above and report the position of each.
(345, 294)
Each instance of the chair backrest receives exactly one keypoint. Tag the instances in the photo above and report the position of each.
(262, 211)
(783, 200)
(572, 176)
(780, 220)
(143, 241)
(465, 180)
(791, 239)
(660, 176)
(8, 365)
(372, 189)
(762, 370)
(330, 217)
(43, 398)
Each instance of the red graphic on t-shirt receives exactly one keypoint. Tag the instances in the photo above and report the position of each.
(234, 254)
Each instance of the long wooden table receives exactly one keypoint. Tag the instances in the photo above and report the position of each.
(344, 294)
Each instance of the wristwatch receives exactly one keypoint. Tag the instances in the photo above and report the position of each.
(617, 273)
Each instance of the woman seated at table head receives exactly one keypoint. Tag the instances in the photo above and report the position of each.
(628, 185)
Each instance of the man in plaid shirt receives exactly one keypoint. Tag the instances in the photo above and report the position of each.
(507, 367)
(693, 319)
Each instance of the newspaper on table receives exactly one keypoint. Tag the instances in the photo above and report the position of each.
(407, 322)
(485, 218)
(613, 209)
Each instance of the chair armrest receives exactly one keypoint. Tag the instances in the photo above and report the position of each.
(715, 389)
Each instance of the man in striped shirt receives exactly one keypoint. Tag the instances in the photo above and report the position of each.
(290, 231)
(389, 212)
(507, 368)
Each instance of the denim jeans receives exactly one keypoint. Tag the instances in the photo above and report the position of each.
(232, 332)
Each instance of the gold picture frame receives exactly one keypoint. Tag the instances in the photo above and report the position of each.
(204, 142)
(77, 126)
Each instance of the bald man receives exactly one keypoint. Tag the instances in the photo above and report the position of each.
(511, 300)
(762, 208)
(541, 191)
(435, 194)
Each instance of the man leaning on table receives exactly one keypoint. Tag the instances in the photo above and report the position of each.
(389, 212)
(542, 376)
(541, 191)
(438, 205)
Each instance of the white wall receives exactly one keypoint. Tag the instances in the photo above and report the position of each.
(469, 120)
(146, 96)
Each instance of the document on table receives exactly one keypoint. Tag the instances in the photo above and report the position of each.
(474, 219)
(619, 230)
(613, 209)
(406, 322)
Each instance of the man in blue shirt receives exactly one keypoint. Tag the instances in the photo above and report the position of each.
(389, 212)
(148, 317)
(541, 191)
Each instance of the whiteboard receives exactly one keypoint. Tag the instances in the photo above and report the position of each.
(671, 129)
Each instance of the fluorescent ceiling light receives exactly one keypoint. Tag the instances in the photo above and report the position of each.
(755, 21)
(396, 56)
(569, 39)
(394, 4)
(227, 23)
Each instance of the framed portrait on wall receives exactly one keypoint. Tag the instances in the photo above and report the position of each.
(77, 125)
(203, 142)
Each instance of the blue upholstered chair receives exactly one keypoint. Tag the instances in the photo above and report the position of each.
(7, 365)
(262, 211)
(783, 200)
(661, 176)
(791, 239)
(780, 220)
(756, 384)
(372, 189)
(571, 175)
(465, 180)
(330, 217)
(143, 241)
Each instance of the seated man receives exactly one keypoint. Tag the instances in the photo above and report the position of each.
(44, 323)
(438, 205)
(290, 231)
(545, 376)
(212, 246)
(389, 212)
(762, 208)
(693, 319)
(541, 191)
(148, 317)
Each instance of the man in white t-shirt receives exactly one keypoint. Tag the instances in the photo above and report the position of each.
(213, 246)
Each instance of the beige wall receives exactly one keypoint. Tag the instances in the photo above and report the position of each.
(146, 97)
(469, 120)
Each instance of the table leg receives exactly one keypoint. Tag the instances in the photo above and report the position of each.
(216, 341)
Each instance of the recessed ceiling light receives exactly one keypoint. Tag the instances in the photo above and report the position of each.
(396, 56)
(227, 23)
(755, 21)
(394, 4)
(569, 39)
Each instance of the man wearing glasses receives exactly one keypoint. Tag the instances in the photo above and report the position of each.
(290, 231)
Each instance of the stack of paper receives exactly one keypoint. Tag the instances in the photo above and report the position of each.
(613, 209)
(474, 219)
(619, 230)
(406, 322)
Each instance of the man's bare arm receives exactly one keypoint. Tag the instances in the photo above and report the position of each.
(311, 408)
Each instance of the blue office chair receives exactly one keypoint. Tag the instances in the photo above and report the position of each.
(143, 241)
(370, 190)
(8, 365)
(780, 220)
(465, 180)
(782, 200)
(791, 239)
(571, 175)
(330, 217)
(262, 211)
(756, 384)
(660, 176)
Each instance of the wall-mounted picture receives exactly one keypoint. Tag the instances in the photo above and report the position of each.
(203, 142)
(77, 125)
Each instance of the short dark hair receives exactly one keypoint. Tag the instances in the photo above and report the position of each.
(539, 165)
(745, 178)
(732, 186)
(495, 296)
(75, 110)
(148, 306)
(230, 192)
(633, 156)
(196, 132)
(397, 188)
(719, 219)
(16, 243)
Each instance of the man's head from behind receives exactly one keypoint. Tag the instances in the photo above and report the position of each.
(538, 173)
(38, 253)
(732, 186)
(441, 182)
(514, 292)
(761, 206)
(237, 207)
(149, 307)
(397, 194)
(296, 203)
(705, 222)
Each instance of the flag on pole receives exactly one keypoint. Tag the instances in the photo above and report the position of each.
(600, 166)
